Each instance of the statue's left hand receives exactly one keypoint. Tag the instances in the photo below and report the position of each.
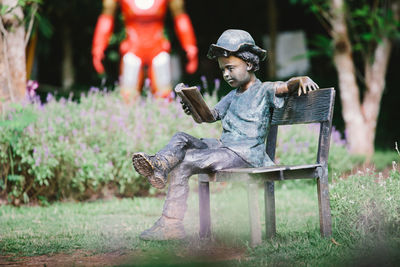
(304, 84)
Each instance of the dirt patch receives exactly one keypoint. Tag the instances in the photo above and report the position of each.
(87, 258)
(368, 169)
(212, 254)
(77, 258)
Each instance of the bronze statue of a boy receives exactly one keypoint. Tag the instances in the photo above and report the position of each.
(244, 114)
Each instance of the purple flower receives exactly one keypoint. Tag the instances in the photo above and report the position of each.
(30, 129)
(204, 81)
(46, 151)
(147, 83)
(306, 144)
(83, 146)
(217, 84)
(285, 148)
(337, 137)
(37, 157)
(121, 123)
(79, 154)
(49, 97)
(38, 160)
(31, 87)
(93, 89)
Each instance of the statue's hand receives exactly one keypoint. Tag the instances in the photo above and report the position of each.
(186, 108)
(306, 84)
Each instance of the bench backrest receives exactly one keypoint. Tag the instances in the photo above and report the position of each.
(314, 107)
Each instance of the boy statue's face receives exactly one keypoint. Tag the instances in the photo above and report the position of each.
(235, 71)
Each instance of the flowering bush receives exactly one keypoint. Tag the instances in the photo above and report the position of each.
(65, 149)
(298, 144)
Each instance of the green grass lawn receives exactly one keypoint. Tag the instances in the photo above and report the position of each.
(114, 225)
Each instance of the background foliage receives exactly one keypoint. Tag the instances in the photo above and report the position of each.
(57, 24)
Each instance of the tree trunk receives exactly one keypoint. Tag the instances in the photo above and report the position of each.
(356, 130)
(12, 59)
(375, 74)
(4, 79)
(360, 117)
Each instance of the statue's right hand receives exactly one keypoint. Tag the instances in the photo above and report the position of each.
(186, 108)
(97, 64)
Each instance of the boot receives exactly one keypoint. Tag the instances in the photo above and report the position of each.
(154, 168)
(164, 229)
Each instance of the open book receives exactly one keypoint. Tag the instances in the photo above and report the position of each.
(195, 102)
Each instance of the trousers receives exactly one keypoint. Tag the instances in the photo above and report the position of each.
(188, 155)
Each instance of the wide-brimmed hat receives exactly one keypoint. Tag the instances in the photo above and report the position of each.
(235, 41)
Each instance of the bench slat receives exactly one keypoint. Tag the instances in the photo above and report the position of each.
(270, 168)
(313, 107)
(274, 173)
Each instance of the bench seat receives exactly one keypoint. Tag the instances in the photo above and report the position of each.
(272, 173)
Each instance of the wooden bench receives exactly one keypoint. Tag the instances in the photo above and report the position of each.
(315, 107)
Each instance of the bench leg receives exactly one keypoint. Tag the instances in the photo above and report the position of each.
(325, 220)
(254, 213)
(204, 210)
(269, 198)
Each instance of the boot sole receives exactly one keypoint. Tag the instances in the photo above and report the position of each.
(150, 237)
(162, 232)
(144, 167)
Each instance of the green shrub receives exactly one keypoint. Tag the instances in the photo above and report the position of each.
(366, 208)
(298, 144)
(384, 158)
(65, 149)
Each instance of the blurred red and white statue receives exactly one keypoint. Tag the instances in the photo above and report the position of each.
(145, 44)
